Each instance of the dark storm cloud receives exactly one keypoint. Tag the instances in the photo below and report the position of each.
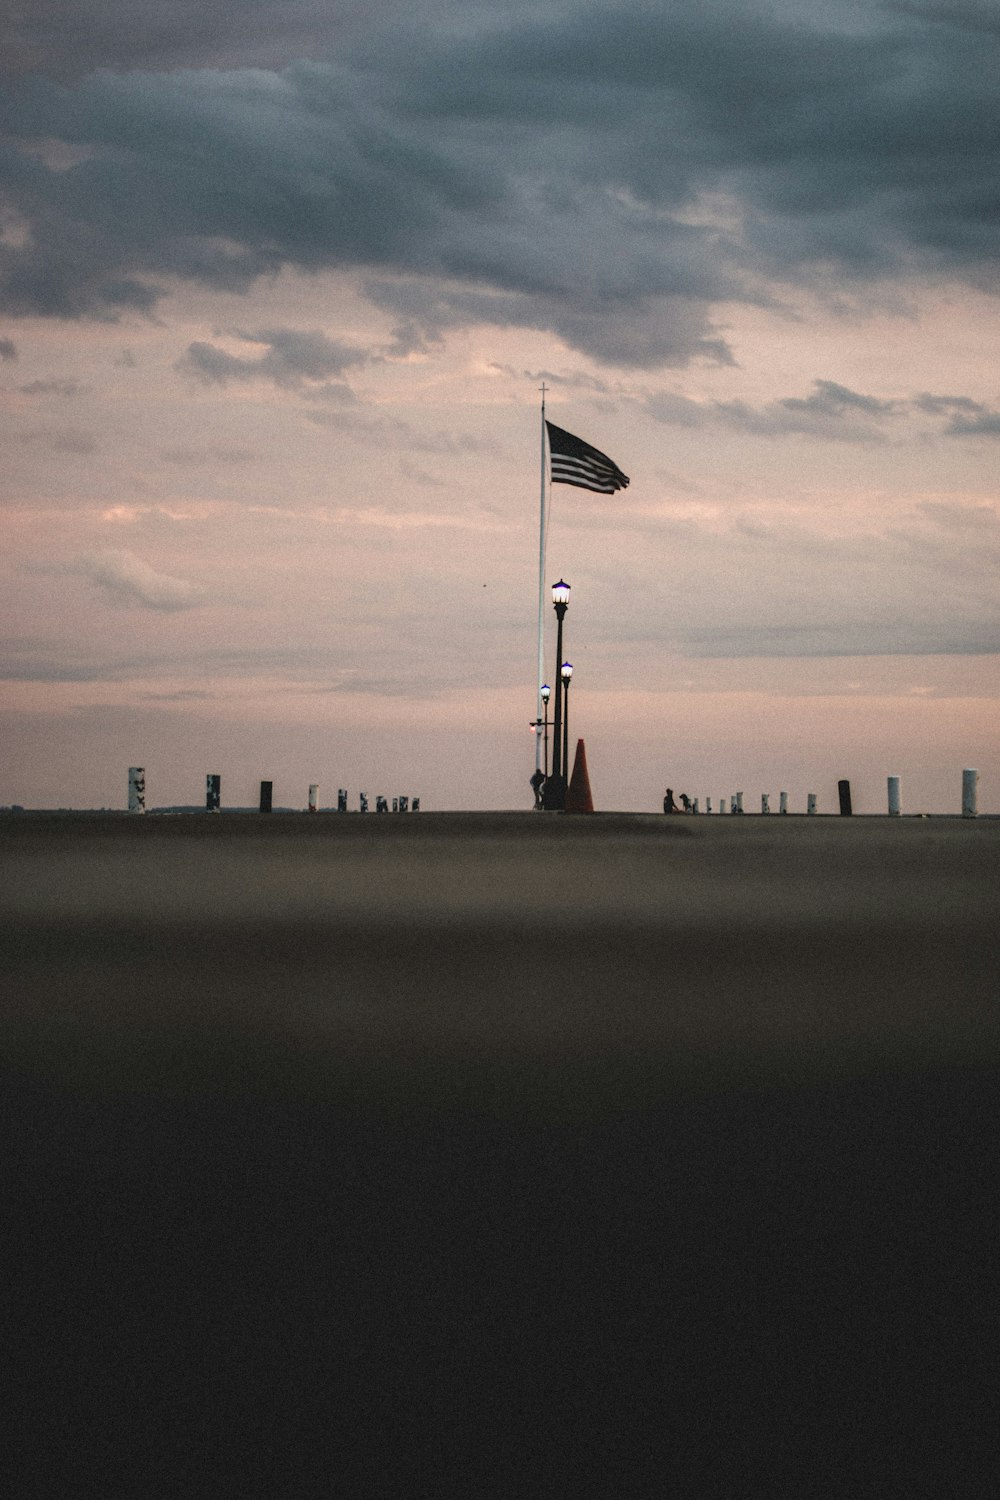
(66, 38)
(42, 660)
(967, 15)
(866, 637)
(831, 399)
(292, 359)
(619, 329)
(965, 417)
(604, 174)
(125, 580)
(985, 424)
(579, 380)
(50, 388)
(951, 515)
(831, 411)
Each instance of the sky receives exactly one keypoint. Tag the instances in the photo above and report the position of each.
(279, 286)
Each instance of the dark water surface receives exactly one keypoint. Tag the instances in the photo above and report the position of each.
(500, 1157)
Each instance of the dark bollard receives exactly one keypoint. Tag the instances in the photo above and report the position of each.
(341, 800)
(266, 788)
(844, 789)
(213, 793)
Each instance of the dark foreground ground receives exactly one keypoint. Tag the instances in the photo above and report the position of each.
(500, 1156)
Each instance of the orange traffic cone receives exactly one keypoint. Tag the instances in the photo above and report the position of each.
(578, 798)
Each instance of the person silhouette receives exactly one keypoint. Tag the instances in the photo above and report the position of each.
(669, 805)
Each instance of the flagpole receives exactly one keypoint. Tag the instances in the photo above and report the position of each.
(541, 593)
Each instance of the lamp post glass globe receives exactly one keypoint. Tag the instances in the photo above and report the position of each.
(566, 672)
(546, 693)
(560, 594)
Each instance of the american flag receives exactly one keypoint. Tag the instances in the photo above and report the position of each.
(576, 462)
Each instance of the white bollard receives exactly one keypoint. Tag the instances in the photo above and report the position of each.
(708, 804)
(314, 797)
(782, 802)
(970, 784)
(739, 802)
(811, 803)
(765, 802)
(694, 806)
(136, 789)
(894, 799)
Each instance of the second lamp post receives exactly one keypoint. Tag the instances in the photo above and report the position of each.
(565, 675)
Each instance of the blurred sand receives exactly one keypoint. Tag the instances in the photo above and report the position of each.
(501, 930)
(502, 1154)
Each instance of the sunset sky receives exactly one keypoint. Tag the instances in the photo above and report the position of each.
(279, 284)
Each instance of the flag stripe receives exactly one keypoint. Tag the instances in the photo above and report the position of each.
(576, 462)
(584, 482)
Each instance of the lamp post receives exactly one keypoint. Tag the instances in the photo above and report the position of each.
(541, 726)
(566, 675)
(546, 695)
(555, 787)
